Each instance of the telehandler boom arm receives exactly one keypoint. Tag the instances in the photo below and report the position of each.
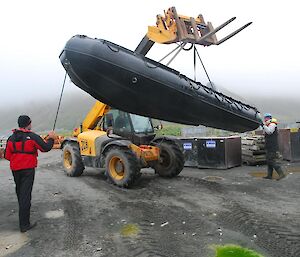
(93, 117)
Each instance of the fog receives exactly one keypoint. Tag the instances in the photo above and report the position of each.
(76, 103)
(260, 62)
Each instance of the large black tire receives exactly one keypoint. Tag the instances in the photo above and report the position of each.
(121, 167)
(72, 161)
(171, 160)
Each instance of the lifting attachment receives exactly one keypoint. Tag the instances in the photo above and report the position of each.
(172, 28)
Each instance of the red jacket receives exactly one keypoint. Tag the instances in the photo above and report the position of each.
(21, 149)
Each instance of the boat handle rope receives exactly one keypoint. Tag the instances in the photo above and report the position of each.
(111, 48)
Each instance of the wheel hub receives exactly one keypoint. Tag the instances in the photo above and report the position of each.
(165, 159)
(67, 159)
(116, 168)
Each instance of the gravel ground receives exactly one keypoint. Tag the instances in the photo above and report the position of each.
(184, 216)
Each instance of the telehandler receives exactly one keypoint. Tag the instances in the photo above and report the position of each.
(122, 143)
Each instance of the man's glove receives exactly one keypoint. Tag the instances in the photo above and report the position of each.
(261, 121)
(52, 135)
(261, 125)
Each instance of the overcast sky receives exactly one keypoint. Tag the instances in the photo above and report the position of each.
(262, 59)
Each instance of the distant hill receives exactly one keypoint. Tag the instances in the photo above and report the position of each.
(72, 111)
(74, 107)
(286, 110)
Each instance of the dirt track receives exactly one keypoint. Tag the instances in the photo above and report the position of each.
(183, 216)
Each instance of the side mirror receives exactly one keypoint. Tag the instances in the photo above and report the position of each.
(109, 120)
(159, 126)
(109, 131)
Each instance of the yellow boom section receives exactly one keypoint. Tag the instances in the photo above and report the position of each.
(91, 120)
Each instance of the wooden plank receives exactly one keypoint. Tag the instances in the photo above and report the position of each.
(252, 147)
(248, 142)
(252, 153)
(255, 147)
(261, 157)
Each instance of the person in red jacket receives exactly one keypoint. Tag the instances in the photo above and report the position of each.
(22, 151)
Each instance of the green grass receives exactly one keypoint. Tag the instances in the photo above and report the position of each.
(129, 230)
(169, 130)
(59, 132)
(234, 251)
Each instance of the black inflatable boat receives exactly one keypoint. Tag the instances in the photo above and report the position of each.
(134, 83)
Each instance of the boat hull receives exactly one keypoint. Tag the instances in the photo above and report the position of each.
(131, 82)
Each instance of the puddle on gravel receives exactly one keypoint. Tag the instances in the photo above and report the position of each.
(54, 214)
(213, 178)
(234, 251)
(129, 230)
(260, 174)
(10, 242)
(293, 169)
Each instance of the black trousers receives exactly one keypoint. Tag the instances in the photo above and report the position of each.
(24, 181)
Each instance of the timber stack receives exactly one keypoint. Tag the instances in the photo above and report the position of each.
(2, 147)
(253, 150)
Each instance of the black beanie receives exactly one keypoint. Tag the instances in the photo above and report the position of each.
(23, 121)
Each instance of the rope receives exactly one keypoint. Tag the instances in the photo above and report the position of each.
(170, 53)
(62, 90)
(178, 51)
(203, 67)
(155, 66)
(194, 62)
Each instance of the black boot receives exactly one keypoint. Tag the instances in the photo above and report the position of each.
(281, 177)
(267, 177)
(270, 173)
(30, 226)
(280, 173)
